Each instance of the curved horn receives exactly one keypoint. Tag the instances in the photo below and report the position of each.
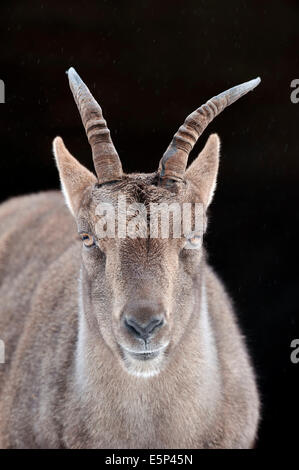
(105, 157)
(174, 161)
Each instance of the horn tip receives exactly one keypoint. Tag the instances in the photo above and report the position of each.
(70, 71)
(240, 90)
(252, 83)
(73, 76)
(256, 81)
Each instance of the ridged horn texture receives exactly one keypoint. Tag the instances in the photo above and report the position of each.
(105, 157)
(174, 161)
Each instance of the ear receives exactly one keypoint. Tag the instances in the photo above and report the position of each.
(74, 177)
(203, 171)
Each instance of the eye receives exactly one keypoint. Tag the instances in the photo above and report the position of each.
(87, 239)
(170, 181)
(193, 242)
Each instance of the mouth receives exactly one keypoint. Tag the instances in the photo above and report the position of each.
(144, 355)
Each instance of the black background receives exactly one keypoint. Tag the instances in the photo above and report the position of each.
(150, 64)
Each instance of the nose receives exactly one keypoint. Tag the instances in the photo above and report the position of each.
(141, 330)
(143, 318)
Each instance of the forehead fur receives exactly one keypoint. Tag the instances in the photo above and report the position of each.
(141, 188)
(136, 187)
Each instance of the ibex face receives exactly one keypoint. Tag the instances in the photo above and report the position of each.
(137, 292)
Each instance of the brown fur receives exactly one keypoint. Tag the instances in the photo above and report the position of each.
(66, 381)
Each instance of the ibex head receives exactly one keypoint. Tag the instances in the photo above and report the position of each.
(138, 292)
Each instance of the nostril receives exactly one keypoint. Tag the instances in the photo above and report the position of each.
(133, 327)
(143, 331)
(154, 324)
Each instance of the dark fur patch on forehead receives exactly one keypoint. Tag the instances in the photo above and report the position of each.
(140, 188)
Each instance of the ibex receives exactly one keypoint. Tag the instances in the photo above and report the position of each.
(119, 342)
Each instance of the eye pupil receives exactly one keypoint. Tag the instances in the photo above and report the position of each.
(87, 239)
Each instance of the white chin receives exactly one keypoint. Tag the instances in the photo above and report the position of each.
(140, 368)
